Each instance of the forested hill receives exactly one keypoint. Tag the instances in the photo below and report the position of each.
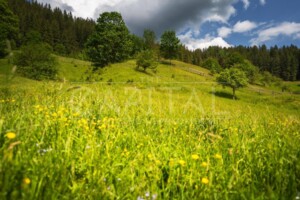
(65, 33)
(283, 62)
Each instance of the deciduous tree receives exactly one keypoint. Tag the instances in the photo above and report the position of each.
(146, 59)
(233, 78)
(36, 62)
(110, 42)
(169, 44)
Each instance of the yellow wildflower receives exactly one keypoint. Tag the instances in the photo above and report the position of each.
(26, 181)
(195, 157)
(158, 162)
(204, 180)
(204, 164)
(182, 162)
(10, 135)
(171, 162)
(150, 156)
(76, 114)
(218, 156)
(103, 126)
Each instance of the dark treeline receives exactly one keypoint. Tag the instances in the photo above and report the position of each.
(65, 33)
(283, 62)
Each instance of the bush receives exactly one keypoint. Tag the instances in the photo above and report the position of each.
(213, 65)
(146, 59)
(36, 62)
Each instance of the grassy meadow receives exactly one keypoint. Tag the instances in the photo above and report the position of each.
(126, 134)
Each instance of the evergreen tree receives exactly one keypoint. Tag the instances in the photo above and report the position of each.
(274, 61)
(65, 33)
(8, 26)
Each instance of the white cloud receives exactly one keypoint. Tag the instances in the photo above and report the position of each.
(224, 32)
(154, 14)
(244, 26)
(291, 29)
(262, 2)
(81, 8)
(246, 4)
(159, 15)
(193, 43)
(239, 27)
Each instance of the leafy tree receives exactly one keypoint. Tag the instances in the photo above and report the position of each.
(213, 65)
(234, 78)
(8, 26)
(110, 42)
(137, 44)
(250, 70)
(169, 44)
(32, 37)
(146, 59)
(36, 62)
(231, 59)
(149, 39)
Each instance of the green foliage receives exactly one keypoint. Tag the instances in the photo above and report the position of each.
(267, 79)
(60, 49)
(169, 44)
(146, 59)
(8, 27)
(149, 39)
(32, 37)
(110, 43)
(54, 25)
(232, 58)
(213, 65)
(151, 143)
(36, 62)
(250, 70)
(233, 78)
(137, 45)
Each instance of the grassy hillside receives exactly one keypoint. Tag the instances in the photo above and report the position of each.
(169, 134)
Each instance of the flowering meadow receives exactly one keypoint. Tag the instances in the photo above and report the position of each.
(146, 140)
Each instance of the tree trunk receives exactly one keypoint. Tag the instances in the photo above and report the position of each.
(233, 91)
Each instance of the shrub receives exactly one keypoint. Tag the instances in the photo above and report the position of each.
(36, 62)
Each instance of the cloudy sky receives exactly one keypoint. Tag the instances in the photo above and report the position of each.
(202, 23)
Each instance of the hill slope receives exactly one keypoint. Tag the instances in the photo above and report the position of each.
(173, 134)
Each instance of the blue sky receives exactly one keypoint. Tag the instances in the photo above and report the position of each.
(203, 23)
(278, 19)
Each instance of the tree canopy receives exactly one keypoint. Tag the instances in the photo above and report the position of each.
(110, 42)
(169, 44)
(8, 26)
(233, 78)
(149, 39)
(213, 65)
(36, 62)
(146, 59)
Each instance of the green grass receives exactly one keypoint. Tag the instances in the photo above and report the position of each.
(146, 135)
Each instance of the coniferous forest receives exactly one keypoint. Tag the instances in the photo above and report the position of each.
(67, 35)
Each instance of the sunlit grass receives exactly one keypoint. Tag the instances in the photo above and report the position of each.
(158, 137)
